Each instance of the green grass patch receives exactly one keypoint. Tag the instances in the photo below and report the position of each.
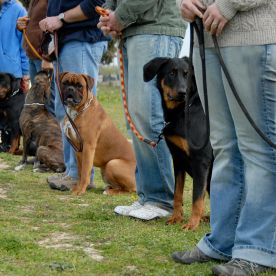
(47, 232)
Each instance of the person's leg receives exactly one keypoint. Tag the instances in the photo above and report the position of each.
(34, 68)
(86, 61)
(227, 176)
(255, 81)
(154, 177)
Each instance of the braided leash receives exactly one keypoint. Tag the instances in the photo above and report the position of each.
(31, 46)
(133, 128)
(129, 119)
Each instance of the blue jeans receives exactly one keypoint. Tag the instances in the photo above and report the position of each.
(154, 174)
(34, 68)
(243, 185)
(83, 58)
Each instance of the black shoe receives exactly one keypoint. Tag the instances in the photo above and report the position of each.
(237, 267)
(64, 182)
(189, 257)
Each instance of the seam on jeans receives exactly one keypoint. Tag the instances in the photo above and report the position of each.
(266, 58)
(242, 188)
(268, 53)
(265, 250)
(159, 158)
(274, 238)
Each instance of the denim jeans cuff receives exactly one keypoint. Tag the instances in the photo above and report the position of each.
(205, 246)
(255, 255)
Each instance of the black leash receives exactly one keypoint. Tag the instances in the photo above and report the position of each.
(79, 138)
(197, 25)
(237, 97)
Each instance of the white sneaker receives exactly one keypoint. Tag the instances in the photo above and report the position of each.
(149, 212)
(125, 210)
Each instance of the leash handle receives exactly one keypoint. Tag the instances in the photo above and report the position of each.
(236, 95)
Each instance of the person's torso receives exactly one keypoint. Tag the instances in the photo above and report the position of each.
(85, 31)
(162, 18)
(254, 24)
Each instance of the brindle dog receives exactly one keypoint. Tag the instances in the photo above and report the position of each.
(187, 138)
(40, 129)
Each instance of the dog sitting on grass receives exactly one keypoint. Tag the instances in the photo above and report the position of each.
(40, 129)
(103, 145)
(11, 103)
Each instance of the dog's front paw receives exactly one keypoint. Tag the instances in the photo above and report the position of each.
(177, 217)
(75, 189)
(192, 224)
(78, 190)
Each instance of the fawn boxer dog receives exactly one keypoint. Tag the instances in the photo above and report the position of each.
(104, 146)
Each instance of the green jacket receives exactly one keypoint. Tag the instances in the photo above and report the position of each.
(148, 17)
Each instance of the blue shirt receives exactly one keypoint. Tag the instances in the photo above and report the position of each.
(13, 58)
(85, 30)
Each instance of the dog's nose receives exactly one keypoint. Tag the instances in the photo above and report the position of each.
(70, 89)
(182, 92)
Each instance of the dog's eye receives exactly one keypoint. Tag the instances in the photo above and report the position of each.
(79, 85)
(172, 74)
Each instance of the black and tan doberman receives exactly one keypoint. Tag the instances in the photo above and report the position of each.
(175, 80)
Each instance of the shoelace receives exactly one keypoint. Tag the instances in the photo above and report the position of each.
(245, 265)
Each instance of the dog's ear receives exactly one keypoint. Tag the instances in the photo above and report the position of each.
(89, 81)
(152, 67)
(61, 75)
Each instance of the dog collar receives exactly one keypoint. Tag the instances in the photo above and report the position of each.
(14, 93)
(34, 104)
(74, 114)
(86, 105)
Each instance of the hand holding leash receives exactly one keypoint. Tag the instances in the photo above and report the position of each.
(22, 22)
(108, 22)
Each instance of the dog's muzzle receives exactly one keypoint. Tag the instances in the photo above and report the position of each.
(69, 97)
(180, 96)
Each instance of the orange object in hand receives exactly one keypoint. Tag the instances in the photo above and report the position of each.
(101, 11)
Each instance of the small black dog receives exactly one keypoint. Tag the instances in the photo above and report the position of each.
(5, 136)
(184, 136)
(12, 99)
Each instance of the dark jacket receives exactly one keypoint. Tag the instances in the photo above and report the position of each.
(86, 30)
(36, 12)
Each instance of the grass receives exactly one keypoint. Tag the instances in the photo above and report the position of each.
(46, 232)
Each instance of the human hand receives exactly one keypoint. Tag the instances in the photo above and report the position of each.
(214, 22)
(190, 9)
(109, 25)
(25, 83)
(50, 24)
(22, 23)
